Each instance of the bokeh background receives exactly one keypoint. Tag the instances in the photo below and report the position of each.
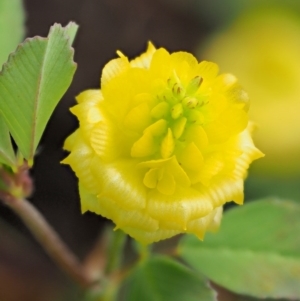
(258, 40)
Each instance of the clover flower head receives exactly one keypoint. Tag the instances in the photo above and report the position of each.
(162, 146)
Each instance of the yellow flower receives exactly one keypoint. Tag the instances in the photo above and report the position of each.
(262, 48)
(162, 146)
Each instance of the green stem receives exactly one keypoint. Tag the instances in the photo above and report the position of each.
(143, 251)
(104, 262)
(115, 250)
(50, 240)
(95, 262)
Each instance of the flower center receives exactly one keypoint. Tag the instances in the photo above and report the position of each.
(172, 137)
(177, 108)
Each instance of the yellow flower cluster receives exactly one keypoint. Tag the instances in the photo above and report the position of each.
(162, 146)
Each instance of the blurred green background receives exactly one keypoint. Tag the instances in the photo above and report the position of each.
(258, 41)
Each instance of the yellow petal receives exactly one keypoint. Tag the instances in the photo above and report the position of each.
(209, 222)
(120, 182)
(90, 96)
(138, 118)
(177, 58)
(178, 172)
(161, 110)
(154, 163)
(88, 200)
(151, 178)
(191, 157)
(143, 97)
(222, 190)
(144, 147)
(184, 205)
(109, 208)
(207, 70)
(144, 60)
(231, 122)
(194, 85)
(167, 145)
(94, 115)
(166, 185)
(150, 237)
(113, 68)
(158, 128)
(160, 64)
(121, 93)
(136, 219)
(110, 141)
(196, 134)
(213, 164)
(177, 111)
(216, 221)
(179, 127)
(248, 154)
(99, 137)
(70, 141)
(88, 113)
(80, 160)
(196, 117)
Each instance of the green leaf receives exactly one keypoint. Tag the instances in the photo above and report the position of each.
(261, 186)
(11, 27)
(7, 155)
(163, 279)
(71, 30)
(32, 82)
(256, 252)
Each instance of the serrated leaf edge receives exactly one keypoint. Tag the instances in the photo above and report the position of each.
(12, 55)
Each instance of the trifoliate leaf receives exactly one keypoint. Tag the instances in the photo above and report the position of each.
(163, 279)
(256, 251)
(32, 82)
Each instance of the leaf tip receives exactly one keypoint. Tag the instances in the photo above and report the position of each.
(69, 30)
